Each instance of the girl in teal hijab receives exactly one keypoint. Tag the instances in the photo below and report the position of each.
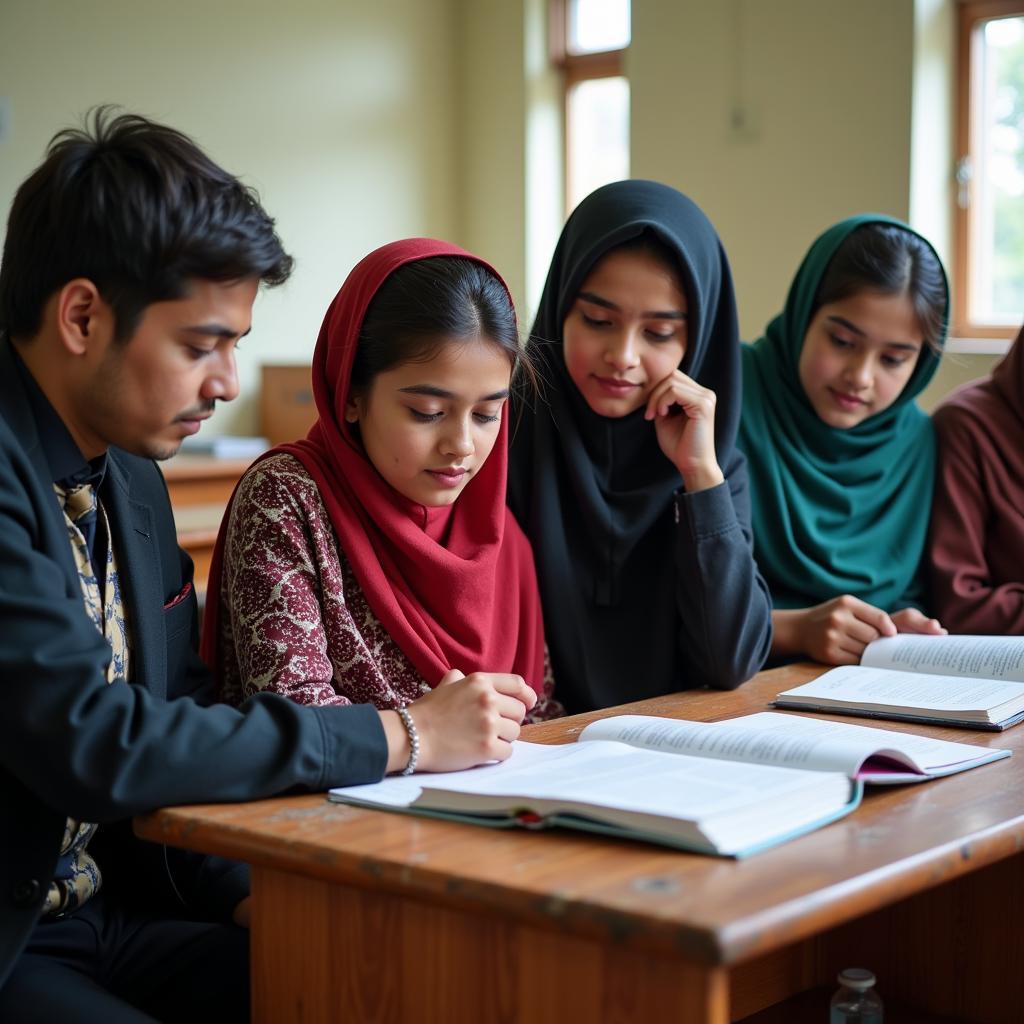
(841, 459)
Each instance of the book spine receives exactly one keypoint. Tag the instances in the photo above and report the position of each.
(896, 716)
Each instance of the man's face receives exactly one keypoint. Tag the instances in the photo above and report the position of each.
(146, 394)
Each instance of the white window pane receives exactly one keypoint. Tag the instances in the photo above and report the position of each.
(596, 25)
(598, 120)
(997, 272)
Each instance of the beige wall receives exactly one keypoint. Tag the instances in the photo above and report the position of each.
(955, 369)
(931, 167)
(777, 118)
(491, 123)
(360, 123)
(509, 142)
(342, 113)
(780, 118)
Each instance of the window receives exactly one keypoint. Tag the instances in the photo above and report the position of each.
(988, 262)
(589, 39)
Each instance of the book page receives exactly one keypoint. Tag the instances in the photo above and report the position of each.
(924, 753)
(733, 805)
(984, 657)
(739, 739)
(606, 775)
(794, 741)
(696, 803)
(404, 790)
(853, 684)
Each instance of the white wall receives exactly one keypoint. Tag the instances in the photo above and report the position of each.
(342, 113)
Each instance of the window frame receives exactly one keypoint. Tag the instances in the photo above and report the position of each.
(969, 14)
(575, 68)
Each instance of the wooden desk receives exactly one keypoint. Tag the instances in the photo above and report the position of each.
(369, 916)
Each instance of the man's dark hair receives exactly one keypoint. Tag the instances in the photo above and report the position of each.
(138, 209)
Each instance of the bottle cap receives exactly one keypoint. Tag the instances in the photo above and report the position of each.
(857, 978)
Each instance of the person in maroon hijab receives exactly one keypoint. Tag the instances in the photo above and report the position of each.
(375, 558)
(977, 529)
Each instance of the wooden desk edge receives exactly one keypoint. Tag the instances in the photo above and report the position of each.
(791, 920)
(780, 925)
(175, 827)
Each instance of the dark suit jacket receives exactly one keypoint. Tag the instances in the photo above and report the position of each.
(72, 745)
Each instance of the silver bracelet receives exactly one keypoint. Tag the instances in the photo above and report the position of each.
(414, 740)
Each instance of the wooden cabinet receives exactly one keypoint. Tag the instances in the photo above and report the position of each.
(200, 487)
(287, 409)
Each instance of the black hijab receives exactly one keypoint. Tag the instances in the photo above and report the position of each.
(594, 494)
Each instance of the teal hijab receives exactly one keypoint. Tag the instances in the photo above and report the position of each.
(834, 511)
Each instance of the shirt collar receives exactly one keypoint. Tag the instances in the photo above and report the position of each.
(68, 466)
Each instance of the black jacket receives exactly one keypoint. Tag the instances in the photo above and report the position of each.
(646, 589)
(72, 745)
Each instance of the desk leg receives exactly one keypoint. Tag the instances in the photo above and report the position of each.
(324, 953)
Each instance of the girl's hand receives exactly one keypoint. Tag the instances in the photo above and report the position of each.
(910, 620)
(684, 419)
(464, 721)
(834, 633)
(837, 631)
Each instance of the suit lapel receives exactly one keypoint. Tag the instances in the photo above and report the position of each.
(131, 523)
(131, 526)
(16, 410)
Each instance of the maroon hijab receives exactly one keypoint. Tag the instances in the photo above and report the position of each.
(977, 530)
(455, 587)
(1008, 383)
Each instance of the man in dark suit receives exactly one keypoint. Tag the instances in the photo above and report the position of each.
(130, 266)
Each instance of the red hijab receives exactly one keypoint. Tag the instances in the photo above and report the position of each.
(455, 587)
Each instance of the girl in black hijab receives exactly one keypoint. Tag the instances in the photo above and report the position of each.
(625, 476)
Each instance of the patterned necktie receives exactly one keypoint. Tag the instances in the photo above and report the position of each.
(80, 506)
(89, 533)
(78, 877)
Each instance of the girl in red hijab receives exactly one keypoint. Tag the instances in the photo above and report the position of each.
(376, 557)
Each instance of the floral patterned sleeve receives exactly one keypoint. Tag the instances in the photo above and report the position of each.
(294, 619)
(546, 707)
(278, 593)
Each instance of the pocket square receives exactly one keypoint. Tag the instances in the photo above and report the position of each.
(178, 598)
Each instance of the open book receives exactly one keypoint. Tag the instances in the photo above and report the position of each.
(971, 681)
(730, 788)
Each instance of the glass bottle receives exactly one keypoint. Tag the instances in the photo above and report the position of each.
(856, 1002)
